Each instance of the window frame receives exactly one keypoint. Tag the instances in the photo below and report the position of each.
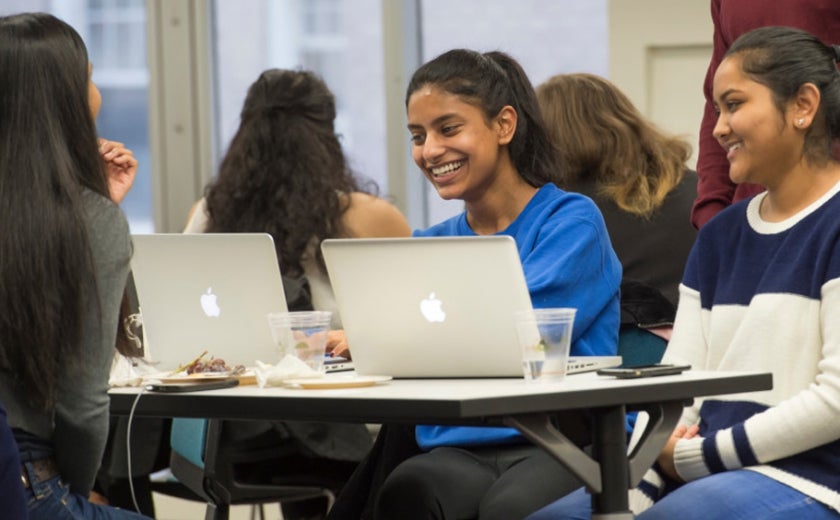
(182, 118)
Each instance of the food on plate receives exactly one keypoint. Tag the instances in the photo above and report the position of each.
(213, 365)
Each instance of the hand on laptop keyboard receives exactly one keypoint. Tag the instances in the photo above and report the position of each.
(337, 344)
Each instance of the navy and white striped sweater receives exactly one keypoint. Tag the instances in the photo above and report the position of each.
(763, 296)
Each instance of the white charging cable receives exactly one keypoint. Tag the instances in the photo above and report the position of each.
(128, 448)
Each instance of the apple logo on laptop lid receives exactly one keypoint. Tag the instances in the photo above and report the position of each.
(209, 304)
(432, 309)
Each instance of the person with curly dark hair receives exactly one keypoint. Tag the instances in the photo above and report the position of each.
(285, 174)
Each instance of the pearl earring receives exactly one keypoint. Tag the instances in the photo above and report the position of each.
(800, 122)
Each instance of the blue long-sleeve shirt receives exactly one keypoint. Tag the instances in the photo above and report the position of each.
(568, 261)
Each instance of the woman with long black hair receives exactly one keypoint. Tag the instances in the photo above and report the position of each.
(65, 251)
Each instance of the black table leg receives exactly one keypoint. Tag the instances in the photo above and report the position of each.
(610, 448)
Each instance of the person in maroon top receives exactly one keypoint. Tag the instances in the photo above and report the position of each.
(732, 18)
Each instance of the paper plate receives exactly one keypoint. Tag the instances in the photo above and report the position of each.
(338, 382)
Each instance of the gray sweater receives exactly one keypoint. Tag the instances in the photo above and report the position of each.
(78, 425)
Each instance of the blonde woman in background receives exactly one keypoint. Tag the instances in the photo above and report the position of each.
(635, 173)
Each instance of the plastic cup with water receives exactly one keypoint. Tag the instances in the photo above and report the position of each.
(302, 334)
(545, 337)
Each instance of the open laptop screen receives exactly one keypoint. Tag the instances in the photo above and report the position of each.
(210, 292)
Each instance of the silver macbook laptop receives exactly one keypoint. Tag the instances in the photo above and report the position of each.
(433, 307)
(208, 292)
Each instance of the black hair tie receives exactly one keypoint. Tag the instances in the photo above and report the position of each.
(836, 49)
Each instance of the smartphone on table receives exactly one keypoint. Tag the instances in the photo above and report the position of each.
(658, 369)
(192, 387)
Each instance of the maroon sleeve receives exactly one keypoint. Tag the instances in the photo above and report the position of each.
(732, 18)
(714, 189)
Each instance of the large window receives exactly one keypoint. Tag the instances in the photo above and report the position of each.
(114, 32)
(545, 37)
(340, 40)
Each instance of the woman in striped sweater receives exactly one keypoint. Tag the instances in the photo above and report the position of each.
(761, 292)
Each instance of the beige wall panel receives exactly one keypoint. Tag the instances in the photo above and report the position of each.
(674, 93)
(659, 52)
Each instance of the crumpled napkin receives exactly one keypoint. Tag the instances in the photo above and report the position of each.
(290, 367)
(127, 371)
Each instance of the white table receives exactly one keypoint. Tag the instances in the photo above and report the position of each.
(608, 473)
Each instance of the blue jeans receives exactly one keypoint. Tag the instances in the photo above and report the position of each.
(732, 495)
(52, 500)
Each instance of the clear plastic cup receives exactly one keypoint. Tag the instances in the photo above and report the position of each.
(545, 336)
(302, 334)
